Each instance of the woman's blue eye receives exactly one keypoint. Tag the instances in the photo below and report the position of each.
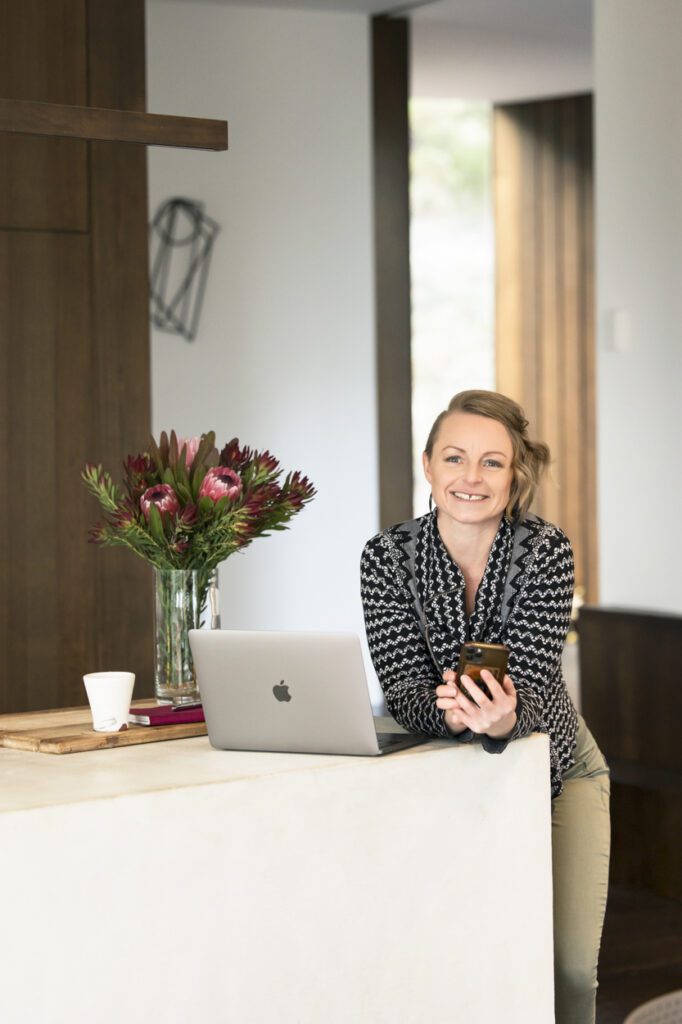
(488, 462)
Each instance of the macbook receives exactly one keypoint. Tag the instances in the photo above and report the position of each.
(289, 692)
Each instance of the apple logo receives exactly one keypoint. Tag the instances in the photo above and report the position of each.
(281, 692)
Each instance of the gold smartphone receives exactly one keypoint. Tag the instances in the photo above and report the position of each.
(473, 657)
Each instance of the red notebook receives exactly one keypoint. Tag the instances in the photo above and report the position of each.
(163, 714)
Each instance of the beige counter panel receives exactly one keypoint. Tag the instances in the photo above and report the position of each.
(175, 883)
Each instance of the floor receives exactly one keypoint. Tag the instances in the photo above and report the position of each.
(641, 954)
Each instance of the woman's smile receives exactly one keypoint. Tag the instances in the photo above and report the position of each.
(464, 496)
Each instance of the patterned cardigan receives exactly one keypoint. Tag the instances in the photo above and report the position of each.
(410, 655)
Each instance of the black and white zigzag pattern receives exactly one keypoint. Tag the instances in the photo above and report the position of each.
(409, 656)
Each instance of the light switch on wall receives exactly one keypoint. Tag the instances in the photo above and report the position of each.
(617, 330)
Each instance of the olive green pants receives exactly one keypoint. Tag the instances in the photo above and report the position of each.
(581, 842)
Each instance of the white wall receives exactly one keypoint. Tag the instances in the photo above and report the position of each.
(284, 357)
(638, 144)
(502, 63)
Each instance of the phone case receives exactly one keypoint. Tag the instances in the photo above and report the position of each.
(475, 656)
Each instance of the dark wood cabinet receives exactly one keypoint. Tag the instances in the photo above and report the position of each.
(632, 702)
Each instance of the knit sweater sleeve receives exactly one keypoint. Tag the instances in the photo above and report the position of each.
(536, 631)
(399, 653)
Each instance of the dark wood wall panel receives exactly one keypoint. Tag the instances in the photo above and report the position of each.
(121, 619)
(43, 50)
(116, 48)
(544, 322)
(390, 80)
(43, 182)
(74, 356)
(121, 387)
(44, 326)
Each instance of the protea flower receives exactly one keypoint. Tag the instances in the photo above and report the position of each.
(124, 514)
(234, 457)
(98, 533)
(138, 475)
(188, 516)
(297, 490)
(138, 465)
(265, 462)
(220, 482)
(161, 495)
(192, 445)
(265, 494)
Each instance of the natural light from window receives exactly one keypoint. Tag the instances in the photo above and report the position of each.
(452, 262)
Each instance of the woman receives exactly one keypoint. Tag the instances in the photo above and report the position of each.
(479, 567)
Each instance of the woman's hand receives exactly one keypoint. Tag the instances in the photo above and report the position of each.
(494, 715)
(446, 695)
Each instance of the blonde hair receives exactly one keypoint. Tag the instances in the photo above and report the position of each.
(530, 458)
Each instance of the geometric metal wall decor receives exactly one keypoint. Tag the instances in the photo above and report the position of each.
(181, 240)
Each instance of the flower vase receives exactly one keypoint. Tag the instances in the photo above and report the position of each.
(180, 599)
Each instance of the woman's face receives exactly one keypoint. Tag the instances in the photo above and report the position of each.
(470, 469)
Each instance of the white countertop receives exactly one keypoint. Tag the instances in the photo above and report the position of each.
(31, 780)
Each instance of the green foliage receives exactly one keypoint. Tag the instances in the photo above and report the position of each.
(100, 484)
(450, 154)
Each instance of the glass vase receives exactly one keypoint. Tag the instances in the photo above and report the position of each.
(181, 596)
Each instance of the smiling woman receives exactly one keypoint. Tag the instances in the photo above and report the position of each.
(480, 569)
(467, 474)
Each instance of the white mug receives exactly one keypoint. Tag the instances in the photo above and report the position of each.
(109, 695)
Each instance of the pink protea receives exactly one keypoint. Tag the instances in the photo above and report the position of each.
(161, 495)
(192, 444)
(220, 482)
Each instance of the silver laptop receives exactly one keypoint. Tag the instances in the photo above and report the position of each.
(291, 692)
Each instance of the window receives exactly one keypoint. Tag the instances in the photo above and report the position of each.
(452, 261)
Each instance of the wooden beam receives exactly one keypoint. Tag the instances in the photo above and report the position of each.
(391, 147)
(27, 117)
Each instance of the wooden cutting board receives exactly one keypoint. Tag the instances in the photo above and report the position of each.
(70, 731)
